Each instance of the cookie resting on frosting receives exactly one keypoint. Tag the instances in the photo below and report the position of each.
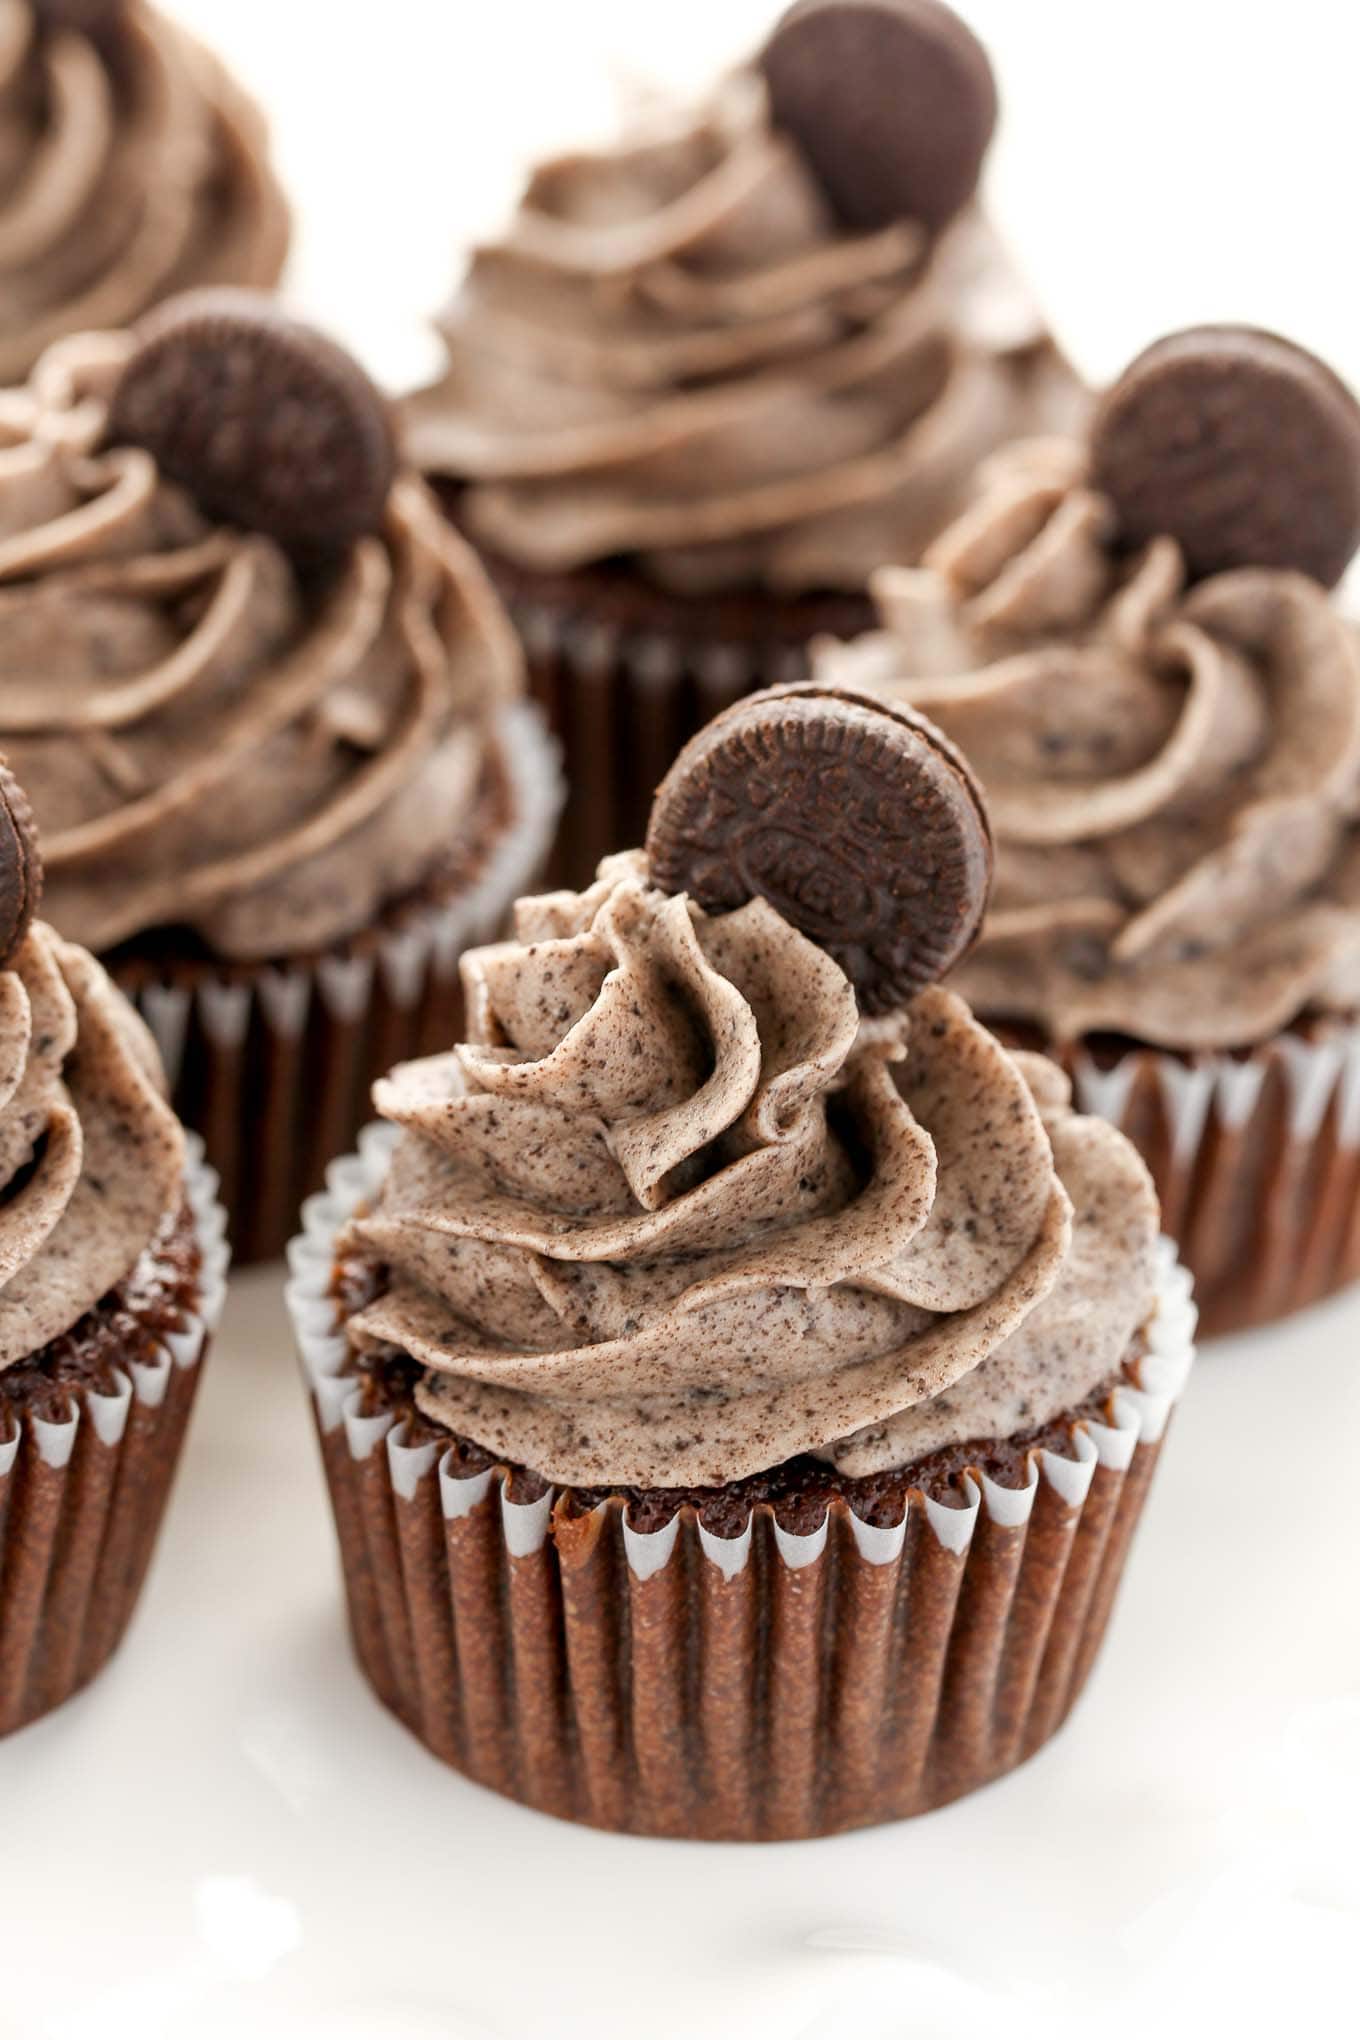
(855, 819)
(675, 1213)
(209, 737)
(131, 168)
(91, 1156)
(674, 353)
(1173, 773)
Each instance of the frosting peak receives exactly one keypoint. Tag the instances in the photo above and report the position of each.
(675, 353)
(1172, 772)
(675, 1213)
(211, 736)
(130, 168)
(91, 1157)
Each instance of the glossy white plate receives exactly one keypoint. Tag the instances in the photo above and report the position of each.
(228, 1835)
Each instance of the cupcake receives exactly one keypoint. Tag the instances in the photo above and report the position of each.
(738, 1376)
(270, 717)
(133, 167)
(1134, 639)
(709, 379)
(112, 1277)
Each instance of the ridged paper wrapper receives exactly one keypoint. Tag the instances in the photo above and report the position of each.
(82, 1500)
(1256, 1158)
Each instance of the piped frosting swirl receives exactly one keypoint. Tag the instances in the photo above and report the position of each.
(209, 736)
(1172, 772)
(131, 167)
(675, 354)
(674, 1212)
(91, 1157)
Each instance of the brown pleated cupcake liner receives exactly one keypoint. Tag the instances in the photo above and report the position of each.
(623, 700)
(1257, 1163)
(769, 1686)
(81, 1501)
(273, 1065)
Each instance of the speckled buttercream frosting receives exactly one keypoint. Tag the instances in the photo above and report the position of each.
(211, 736)
(1172, 771)
(91, 1156)
(131, 167)
(676, 354)
(675, 1212)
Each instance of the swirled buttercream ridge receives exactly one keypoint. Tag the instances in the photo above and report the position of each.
(675, 1212)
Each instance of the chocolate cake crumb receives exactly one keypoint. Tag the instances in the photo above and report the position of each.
(158, 1297)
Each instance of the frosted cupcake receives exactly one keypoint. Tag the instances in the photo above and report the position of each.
(1134, 639)
(112, 1269)
(270, 716)
(131, 167)
(738, 1376)
(708, 379)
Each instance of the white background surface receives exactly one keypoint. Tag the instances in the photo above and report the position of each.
(227, 1835)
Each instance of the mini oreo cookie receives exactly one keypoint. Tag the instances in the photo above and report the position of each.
(21, 872)
(267, 423)
(893, 102)
(1238, 444)
(858, 821)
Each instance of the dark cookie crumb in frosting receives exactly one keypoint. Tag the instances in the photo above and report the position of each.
(799, 1491)
(675, 1213)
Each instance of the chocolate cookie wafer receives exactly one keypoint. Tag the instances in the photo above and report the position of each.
(1242, 446)
(859, 822)
(893, 102)
(265, 421)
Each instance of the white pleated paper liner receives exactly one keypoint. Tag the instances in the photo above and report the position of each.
(273, 1065)
(678, 1682)
(1256, 1158)
(81, 1501)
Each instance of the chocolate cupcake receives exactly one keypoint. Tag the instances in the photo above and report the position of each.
(707, 380)
(133, 167)
(112, 1277)
(271, 719)
(1134, 640)
(738, 1376)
